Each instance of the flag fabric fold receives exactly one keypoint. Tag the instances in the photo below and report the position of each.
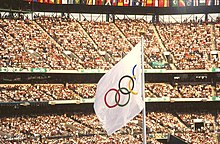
(118, 96)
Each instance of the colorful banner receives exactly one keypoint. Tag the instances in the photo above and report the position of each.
(120, 2)
(59, 1)
(149, 3)
(126, 2)
(166, 3)
(114, 2)
(208, 2)
(195, 2)
(202, 2)
(76, 1)
(144, 3)
(189, 2)
(89, 2)
(71, 1)
(175, 3)
(64, 1)
(134, 3)
(100, 2)
(108, 2)
(131, 2)
(83, 2)
(182, 3)
(51, 1)
(161, 3)
(155, 3)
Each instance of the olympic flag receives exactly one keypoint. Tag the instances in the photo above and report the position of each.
(118, 96)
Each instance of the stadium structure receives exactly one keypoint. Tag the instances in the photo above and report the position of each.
(53, 53)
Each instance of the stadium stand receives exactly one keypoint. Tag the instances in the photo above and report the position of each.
(72, 37)
(35, 41)
(62, 40)
(61, 43)
(189, 43)
(81, 128)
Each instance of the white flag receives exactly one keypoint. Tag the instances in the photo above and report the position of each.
(118, 96)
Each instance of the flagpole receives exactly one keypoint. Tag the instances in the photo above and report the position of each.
(143, 89)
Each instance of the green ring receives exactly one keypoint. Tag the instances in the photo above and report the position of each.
(122, 105)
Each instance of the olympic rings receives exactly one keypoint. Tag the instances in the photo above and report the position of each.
(122, 90)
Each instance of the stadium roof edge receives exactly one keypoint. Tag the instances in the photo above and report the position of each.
(133, 10)
(22, 6)
(43, 70)
(16, 11)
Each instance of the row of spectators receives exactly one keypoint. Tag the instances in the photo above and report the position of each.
(182, 90)
(64, 43)
(217, 35)
(86, 128)
(37, 93)
(47, 92)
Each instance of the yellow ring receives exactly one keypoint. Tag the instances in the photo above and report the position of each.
(129, 87)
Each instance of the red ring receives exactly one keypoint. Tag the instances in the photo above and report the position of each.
(106, 96)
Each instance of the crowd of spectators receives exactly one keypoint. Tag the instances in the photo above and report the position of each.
(75, 128)
(189, 43)
(207, 118)
(196, 91)
(72, 37)
(99, 45)
(133, 29)
(217, 89)
(84, 90)
(176, 126)
(46, 42)
(85, 127)
(30, 38)
(30, 127)
(217, 36)
(205, 133)
(163, 90)
(13, 54)
(108, 39)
